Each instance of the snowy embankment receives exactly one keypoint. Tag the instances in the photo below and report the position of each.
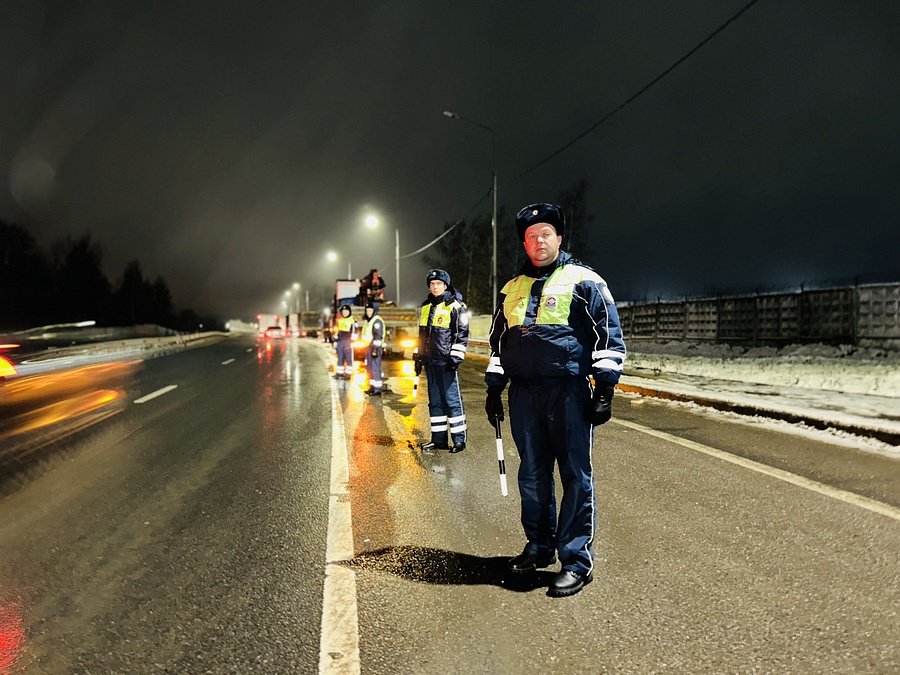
(843, 369)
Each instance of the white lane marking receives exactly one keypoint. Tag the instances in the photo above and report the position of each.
(339, 642)
(225, 363)
(780, 474)
(158, 392)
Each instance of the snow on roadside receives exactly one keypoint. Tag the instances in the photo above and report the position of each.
(843, 369)
(829, 436)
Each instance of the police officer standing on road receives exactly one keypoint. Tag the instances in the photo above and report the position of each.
(443, 338)
(346, 333)
(373, 335)
(555, 329)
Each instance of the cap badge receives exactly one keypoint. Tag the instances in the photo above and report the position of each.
(535, 212)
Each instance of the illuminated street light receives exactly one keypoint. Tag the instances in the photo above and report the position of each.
(332, 257)
(453, 115)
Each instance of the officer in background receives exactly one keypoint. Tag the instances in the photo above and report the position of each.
(555, 337)
(373, 334)
(346, 334)
(443, 338)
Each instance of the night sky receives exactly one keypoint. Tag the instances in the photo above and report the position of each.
(228, 145)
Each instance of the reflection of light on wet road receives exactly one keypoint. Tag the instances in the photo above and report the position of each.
(12, 637)
(267, 351)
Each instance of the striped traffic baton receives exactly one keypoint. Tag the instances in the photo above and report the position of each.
(500, 457)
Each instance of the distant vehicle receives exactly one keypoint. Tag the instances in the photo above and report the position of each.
(311, 323)
(272, 333)
(295, 326)
(266, 321)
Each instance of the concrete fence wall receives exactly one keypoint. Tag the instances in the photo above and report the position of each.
(867, 315)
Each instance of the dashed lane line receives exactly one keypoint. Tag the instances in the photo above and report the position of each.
(821, 488)
(227, 361)
(158, 392)
(339, 642)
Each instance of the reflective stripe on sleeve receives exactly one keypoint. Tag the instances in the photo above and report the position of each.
(494, 366)
(607, 364)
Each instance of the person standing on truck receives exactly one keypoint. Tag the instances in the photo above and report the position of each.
(555, 337)
(371, 288)
(373, 335)
(346, 334)
(443, 338)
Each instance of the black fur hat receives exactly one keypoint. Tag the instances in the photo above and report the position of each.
(437, 275)
(541, 213)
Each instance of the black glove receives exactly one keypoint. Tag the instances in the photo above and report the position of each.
(493, 405)
(599, 409)
(418, 367)
(452, 366)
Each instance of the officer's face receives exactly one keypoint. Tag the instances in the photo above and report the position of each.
(369, 312)
(542, 244)
(437, 287)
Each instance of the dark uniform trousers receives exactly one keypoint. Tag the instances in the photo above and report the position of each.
(445, 405)
(344, 350)
(373, 368)
(548, 425)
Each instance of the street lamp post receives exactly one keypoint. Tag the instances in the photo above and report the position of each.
(453, 115)
(397, 261)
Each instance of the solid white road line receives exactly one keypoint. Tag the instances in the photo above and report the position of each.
(225, 363)
(786, 476)
(158, 392)
(339, 643)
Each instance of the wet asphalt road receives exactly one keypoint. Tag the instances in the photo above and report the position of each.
(187, 535)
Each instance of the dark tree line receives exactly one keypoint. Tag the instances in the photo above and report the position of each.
(68, 285)
(466, 252)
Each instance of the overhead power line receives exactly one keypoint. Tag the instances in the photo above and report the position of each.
(445, 232)
(642, 90)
